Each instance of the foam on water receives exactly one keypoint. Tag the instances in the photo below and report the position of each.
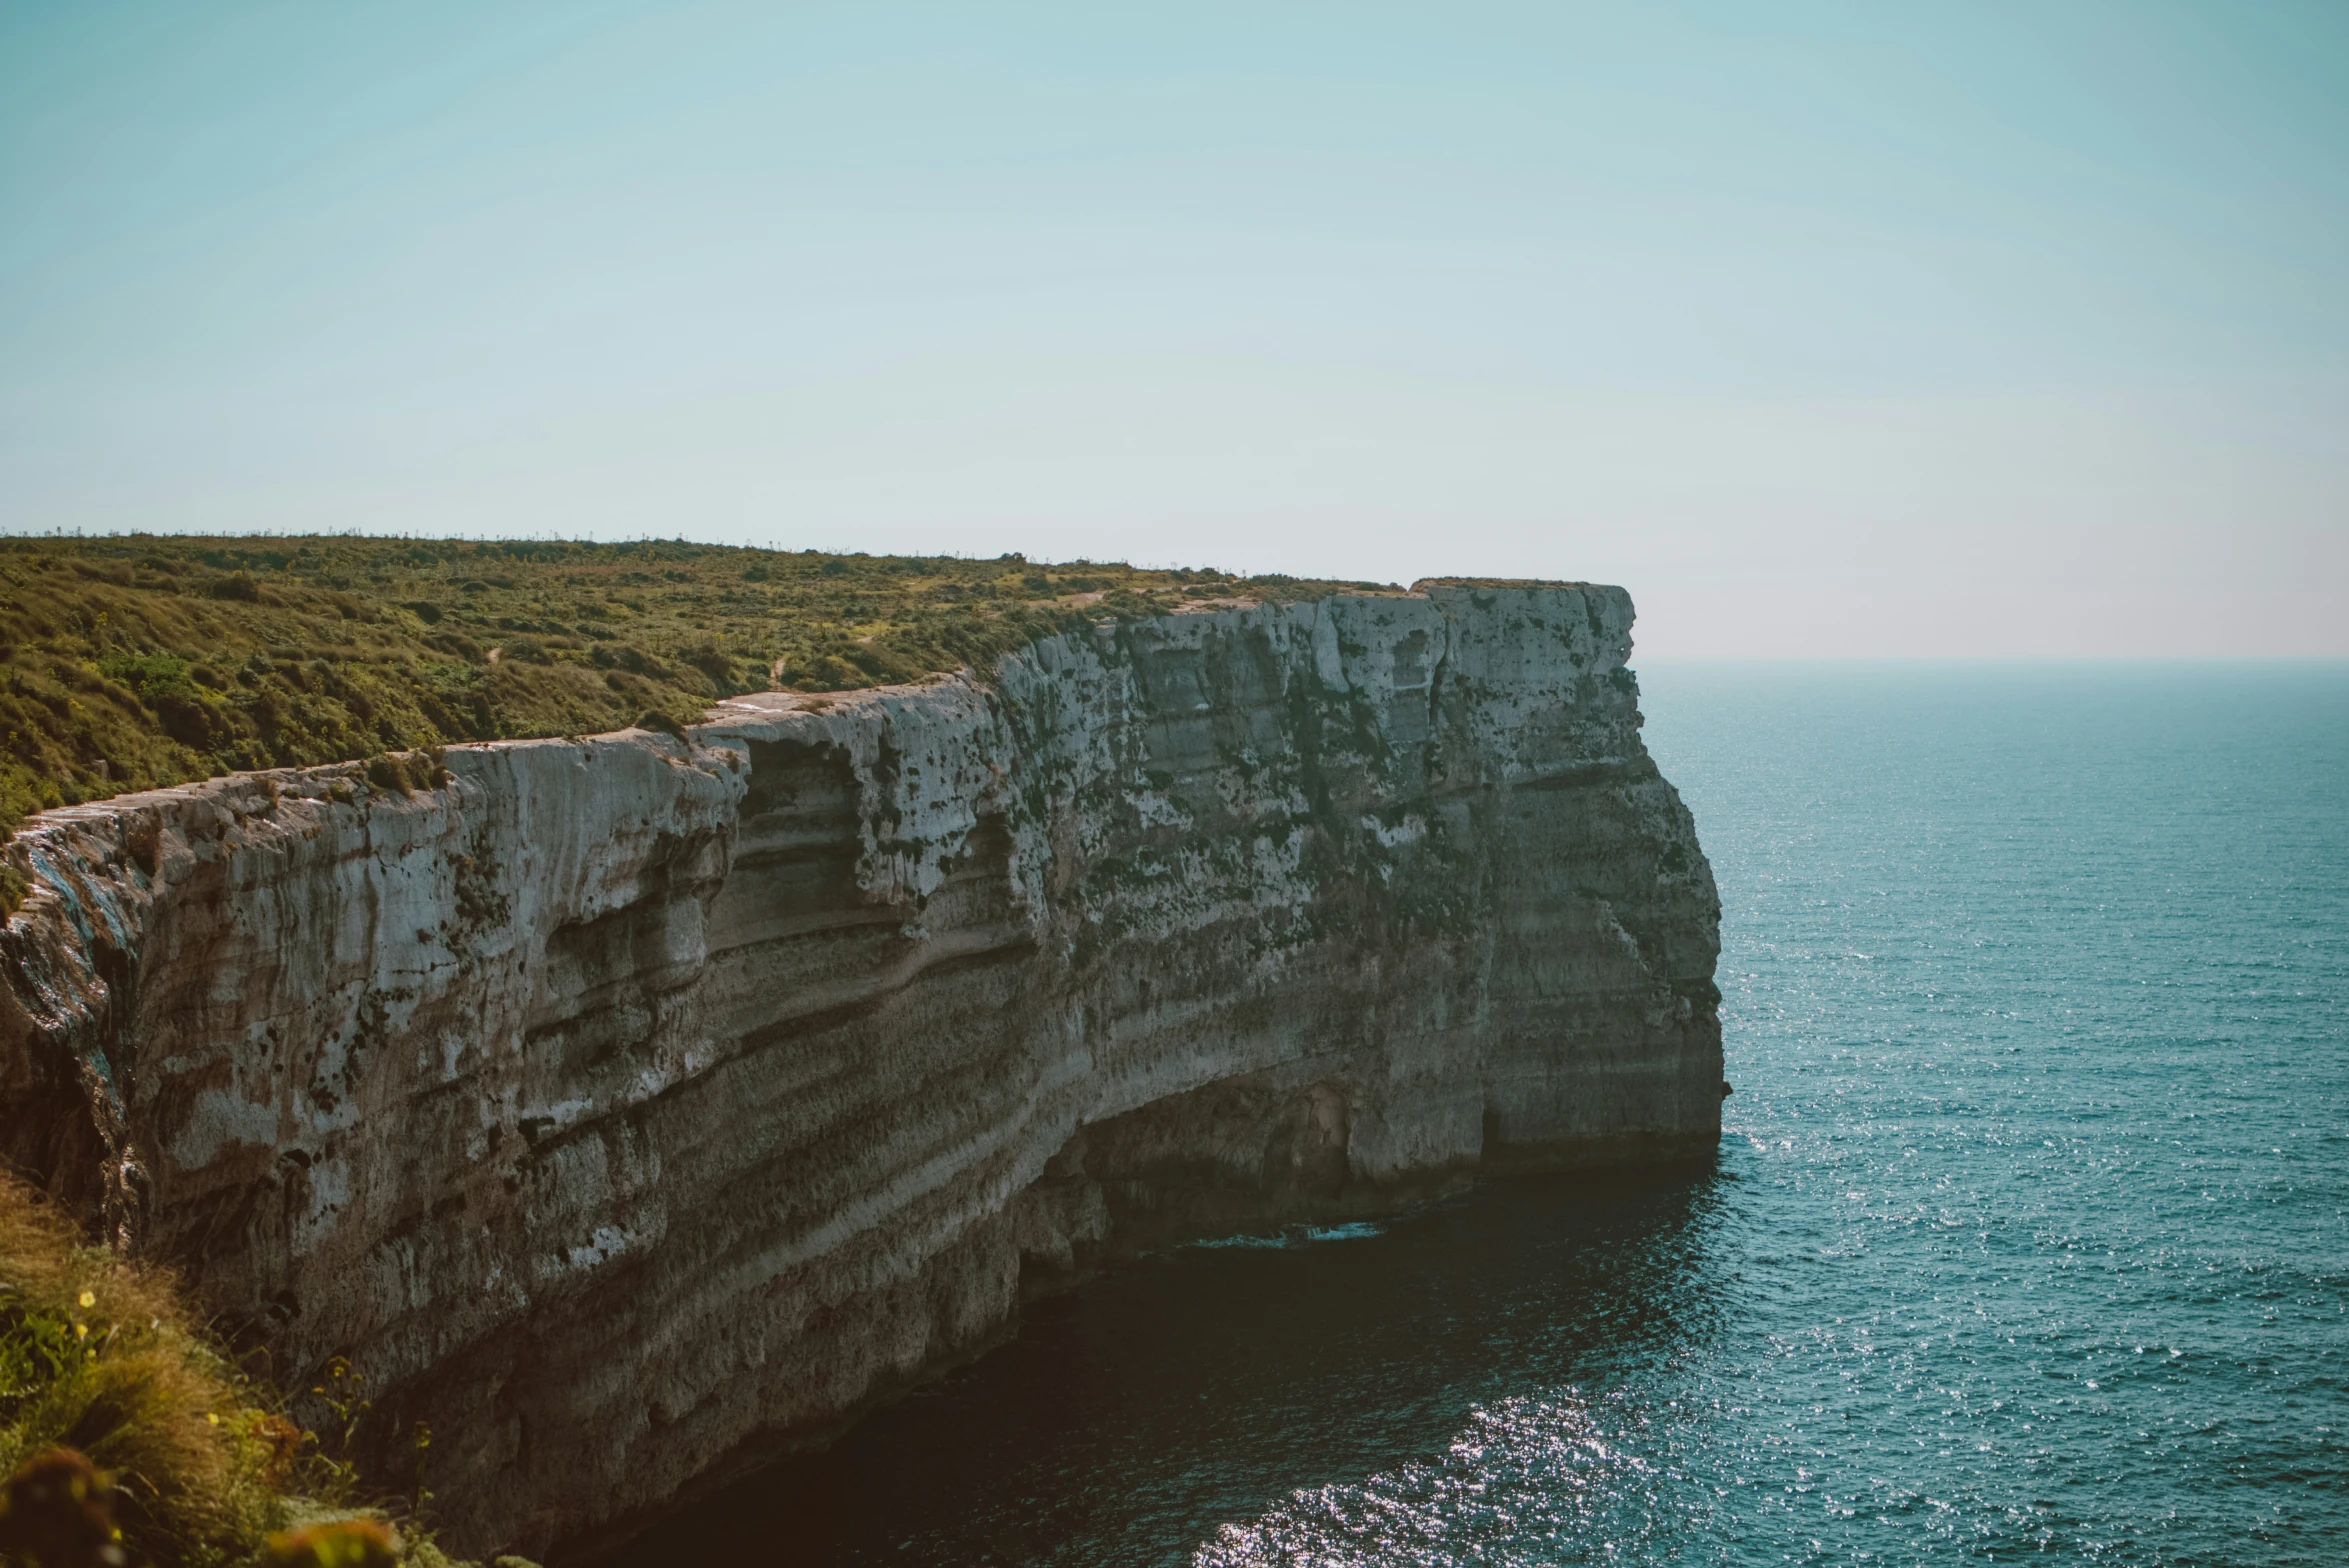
(1294, 1236)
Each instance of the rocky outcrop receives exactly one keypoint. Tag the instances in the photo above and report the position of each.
(627, 1106)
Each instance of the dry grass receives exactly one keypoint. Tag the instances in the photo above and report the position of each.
(97, 1355)
(102, 1356)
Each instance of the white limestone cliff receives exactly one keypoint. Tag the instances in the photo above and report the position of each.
(628, 1108)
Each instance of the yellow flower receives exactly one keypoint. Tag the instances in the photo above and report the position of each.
(89, 1298)
(81, 1331)
(209, 1416)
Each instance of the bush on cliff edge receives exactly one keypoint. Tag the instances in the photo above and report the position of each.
(104, 1377)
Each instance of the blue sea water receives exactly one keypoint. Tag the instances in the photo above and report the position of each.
(2026, 1238)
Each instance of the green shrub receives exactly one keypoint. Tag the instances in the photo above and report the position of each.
(390, 774)
(346, 1543)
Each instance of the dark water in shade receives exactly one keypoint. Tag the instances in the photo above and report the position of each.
(2029, 1237)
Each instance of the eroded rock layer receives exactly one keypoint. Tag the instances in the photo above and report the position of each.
(625, 1107)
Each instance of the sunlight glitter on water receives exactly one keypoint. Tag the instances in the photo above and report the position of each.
(1529, 1480)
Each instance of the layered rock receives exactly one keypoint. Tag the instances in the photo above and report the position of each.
(626, 1107)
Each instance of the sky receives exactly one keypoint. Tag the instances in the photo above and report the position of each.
(1826, 329)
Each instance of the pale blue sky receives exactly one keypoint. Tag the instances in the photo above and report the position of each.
(1895, 328)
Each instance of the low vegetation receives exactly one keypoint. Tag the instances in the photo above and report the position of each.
(136, 661)
(127, 1437)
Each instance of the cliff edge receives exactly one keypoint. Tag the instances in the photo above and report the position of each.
(628, 1107)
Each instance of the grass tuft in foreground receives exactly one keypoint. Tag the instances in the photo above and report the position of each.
(127, 1437)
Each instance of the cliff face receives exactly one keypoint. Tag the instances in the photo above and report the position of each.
(621, 1105)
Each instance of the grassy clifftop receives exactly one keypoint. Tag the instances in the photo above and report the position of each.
(132, 662)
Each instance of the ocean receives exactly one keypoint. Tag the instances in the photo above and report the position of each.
(2026, 1237)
